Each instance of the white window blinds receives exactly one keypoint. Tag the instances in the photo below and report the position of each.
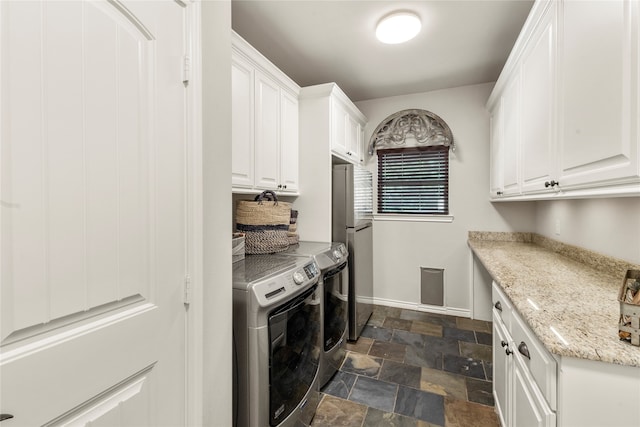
(414, 180)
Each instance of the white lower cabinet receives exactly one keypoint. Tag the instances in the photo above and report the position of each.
(529, 409)
(519, 399)
(501, 371)
(533, 388)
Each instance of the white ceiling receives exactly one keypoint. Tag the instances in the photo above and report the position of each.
(313, 42)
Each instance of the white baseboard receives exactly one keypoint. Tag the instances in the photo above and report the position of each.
(449, 311)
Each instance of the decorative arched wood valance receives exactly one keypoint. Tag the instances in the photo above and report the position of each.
(427, 128)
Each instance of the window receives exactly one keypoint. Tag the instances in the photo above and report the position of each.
(414, 180)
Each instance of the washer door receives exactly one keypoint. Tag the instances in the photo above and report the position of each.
(294, 352)
(335, 306)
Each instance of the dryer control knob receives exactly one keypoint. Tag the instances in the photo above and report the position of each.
(298, 278)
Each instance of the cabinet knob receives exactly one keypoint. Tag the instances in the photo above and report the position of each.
(499, 193)
(279, 186)
(524, 350)
(503, 343)
(498, 306)
(551, 183)
(284, 186)
(508, 351)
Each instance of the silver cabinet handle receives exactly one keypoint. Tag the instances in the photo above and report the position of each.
(498, 306)
(524, 350)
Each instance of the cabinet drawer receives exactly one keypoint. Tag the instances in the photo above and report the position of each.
(501, 305)
(541, 364)
(529, 408)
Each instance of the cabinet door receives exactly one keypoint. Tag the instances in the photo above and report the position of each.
(338, 129)
(353, 138)
(241, 123)
(496, 151)
(511, 135)
(288, 142)
(362, 144)
(599, 92)
(267, 132)
(501, 371)
(538, 107)
(528, 407)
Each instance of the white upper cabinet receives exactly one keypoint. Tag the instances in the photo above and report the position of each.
(242, 87)
(511, 136)
(537, 73)
(289, 142)
(347, 127)
(264, 124)
(574, 124)
(338, 128)
(598, 93)
(496, 150)
(267, 132)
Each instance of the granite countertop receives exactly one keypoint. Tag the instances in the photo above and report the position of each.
(574, 290)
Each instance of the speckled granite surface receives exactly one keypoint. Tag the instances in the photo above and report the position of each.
(574, 289)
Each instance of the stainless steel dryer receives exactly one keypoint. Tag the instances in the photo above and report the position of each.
(276, 334)
(334, 284)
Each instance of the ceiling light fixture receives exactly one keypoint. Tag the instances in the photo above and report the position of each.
(398, 27)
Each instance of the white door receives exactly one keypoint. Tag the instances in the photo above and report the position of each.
(289, 141)
(93, 213)
(338, 129)
(496, 154)
(511, 136)
(538, 109)
(242, 130)
(599, 108)
(267, 132)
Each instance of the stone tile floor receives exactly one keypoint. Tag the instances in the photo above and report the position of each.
(413, 369)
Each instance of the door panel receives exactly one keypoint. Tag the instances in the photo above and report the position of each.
(267, 132)
(538, 142)
(599, 109)
(92, 220)
(289, 141)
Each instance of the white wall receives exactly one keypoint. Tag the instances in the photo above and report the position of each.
(608, 226)
(216, 318)
(401, 248)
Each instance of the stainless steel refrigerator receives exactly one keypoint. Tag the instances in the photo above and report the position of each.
(352, 211)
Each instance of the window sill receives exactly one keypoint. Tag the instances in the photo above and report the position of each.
(413, 218)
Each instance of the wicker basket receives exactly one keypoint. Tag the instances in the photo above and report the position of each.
(265, 222)
(629, 324)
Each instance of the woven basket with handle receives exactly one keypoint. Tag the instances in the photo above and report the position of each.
(265, 222)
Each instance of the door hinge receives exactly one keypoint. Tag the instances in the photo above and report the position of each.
(187, 290)
(186, 69)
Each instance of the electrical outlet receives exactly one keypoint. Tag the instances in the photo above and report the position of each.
(557, 231)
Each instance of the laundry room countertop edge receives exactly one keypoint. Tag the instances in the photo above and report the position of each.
(560, 291)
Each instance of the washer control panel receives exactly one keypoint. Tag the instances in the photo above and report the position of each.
(311, 270)
(287, 283)
(339, 253)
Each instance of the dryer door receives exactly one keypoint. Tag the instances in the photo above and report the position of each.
(294, 352)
